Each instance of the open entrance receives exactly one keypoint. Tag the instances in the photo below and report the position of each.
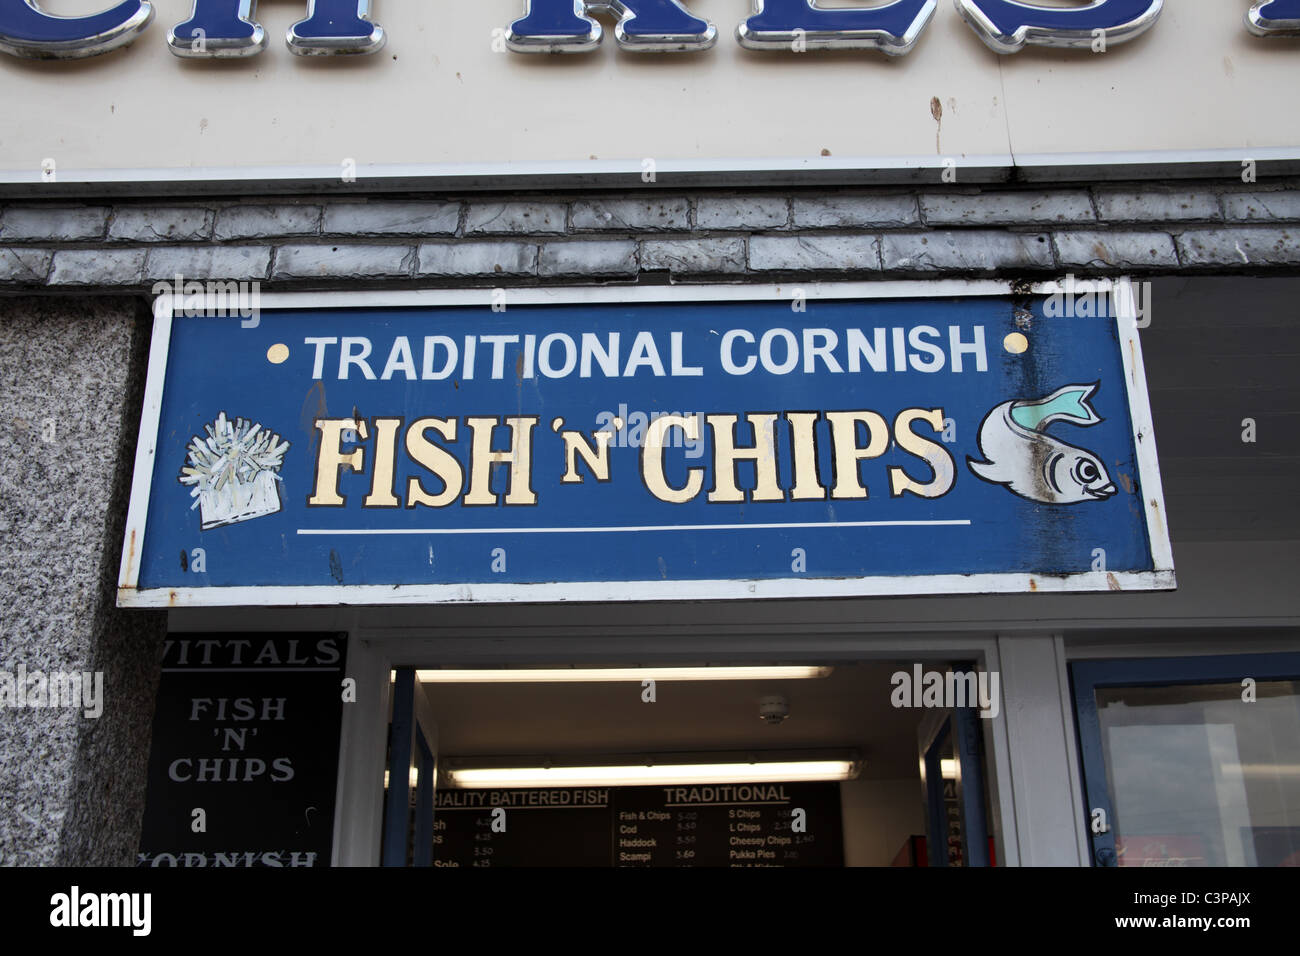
(870, 763)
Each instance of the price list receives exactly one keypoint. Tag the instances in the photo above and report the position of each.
(790, 824)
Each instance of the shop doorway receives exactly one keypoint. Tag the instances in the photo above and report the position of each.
(870, 763)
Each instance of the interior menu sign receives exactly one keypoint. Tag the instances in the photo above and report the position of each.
(244, 762)
(768, 824)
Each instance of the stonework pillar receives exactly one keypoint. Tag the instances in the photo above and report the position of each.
(71, 383)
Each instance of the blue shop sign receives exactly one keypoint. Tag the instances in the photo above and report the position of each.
(624, 444)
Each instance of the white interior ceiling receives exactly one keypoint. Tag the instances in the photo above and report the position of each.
(850, 709)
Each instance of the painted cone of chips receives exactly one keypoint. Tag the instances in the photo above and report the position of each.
(233, 471)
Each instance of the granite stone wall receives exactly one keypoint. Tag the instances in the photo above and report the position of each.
(71, 381)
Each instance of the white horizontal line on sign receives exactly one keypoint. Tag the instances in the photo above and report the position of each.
(651, 527)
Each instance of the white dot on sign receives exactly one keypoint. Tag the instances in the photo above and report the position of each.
(1015, 343)
(277, 353)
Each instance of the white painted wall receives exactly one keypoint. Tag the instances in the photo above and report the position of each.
(879, 816)
(438, 94)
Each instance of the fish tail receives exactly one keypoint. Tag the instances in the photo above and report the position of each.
(1068, 404)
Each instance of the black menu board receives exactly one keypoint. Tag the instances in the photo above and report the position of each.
(764, 824)
(244, 762)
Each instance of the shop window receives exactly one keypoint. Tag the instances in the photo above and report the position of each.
(1191, 761)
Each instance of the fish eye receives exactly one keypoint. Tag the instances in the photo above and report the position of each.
(1087, 471)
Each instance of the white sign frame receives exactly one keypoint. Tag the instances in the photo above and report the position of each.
(1124, 308)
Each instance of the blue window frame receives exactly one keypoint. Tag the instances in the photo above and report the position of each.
(961, 793)
(408, 840)
(1089, 677)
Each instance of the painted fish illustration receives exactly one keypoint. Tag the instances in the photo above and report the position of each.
(1034, 465)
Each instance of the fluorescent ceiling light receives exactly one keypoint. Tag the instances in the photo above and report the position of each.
(668, 774)
(1263, 769)
(414, 777)
(594, 675)
(948, 768)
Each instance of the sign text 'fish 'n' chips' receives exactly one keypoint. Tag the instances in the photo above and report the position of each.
(713, 442)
